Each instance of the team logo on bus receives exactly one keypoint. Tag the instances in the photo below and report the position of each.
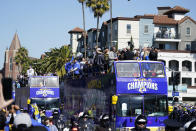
(45, 92)
(142, 85)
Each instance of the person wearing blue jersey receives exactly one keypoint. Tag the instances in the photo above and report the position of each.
(76, 68)
(68, 66)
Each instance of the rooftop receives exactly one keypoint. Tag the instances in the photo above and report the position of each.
(76, 30)
(177, 9)
(164, 20)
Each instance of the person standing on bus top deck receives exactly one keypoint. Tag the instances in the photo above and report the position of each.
(30, 72)
(76, 67)
(68, 65)
(146, 55)
(153, 54)
(112, 56)
(140, 123)
(129, 55)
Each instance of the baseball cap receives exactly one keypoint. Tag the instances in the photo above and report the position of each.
(22, 118)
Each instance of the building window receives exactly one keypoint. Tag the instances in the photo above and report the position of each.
(187, 81)
(186, 65)
(10, 64)
(195, 66)
(128, 28)
(195, 82)
(174, 65)
(188, 31)
(115, 29)
(161, 46)
(188, 47)
(146, 29)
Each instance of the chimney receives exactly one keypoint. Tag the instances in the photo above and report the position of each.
(162, 10)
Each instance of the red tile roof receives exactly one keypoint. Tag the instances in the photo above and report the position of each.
(76, 30)
(177, 9)
(164, 20)
(185, 18)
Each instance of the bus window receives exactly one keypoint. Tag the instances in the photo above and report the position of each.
(127, 69)
(51, 82)
(152, 70)
(155, 105)
(129, 105)
(36, 82)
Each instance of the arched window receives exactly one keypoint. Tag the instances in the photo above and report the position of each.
(186, 66)
(174, 65)
(195, 66)
(10, 64)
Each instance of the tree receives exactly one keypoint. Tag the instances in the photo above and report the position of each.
(82, 2)
(99, 7)
(55, 60)
(22, 60)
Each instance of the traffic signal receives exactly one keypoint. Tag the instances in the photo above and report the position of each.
(176, 77)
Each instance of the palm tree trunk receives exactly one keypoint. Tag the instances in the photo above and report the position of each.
(97, 30)
(110, 44)
(84, 30)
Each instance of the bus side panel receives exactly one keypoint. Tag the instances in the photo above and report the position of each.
(91, 92)
(21, 96)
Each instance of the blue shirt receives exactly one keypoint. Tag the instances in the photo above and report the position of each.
(76, 65)
(68, 65)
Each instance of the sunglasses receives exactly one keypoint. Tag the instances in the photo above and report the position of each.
(141, 123)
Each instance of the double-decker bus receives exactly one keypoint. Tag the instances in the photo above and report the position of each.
(44, 91)
(139, 86)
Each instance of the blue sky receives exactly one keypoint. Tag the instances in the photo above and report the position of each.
(44, 24)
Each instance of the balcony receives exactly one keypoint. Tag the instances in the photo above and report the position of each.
(166, 37)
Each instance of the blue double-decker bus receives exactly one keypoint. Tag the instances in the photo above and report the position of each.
(44, 91)
(141, 88)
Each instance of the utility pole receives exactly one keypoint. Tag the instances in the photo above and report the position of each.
(110, 44)
(173, 83)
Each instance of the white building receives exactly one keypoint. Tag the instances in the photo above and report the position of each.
(75, 34)
(123, 28)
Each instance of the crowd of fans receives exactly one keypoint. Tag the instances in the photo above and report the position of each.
(102, 60)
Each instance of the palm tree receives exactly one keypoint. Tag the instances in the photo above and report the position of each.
(99, 7)
(22, 60)
(82, 2)
(55, 60)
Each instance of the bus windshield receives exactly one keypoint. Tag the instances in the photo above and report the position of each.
(46, 103)
(127, 69)
(129, 105)
(154, 70)
(44, 81)
(155, 105)
(150, 105)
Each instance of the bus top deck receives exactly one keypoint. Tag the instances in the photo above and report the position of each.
(44, 81)
(140, 77)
